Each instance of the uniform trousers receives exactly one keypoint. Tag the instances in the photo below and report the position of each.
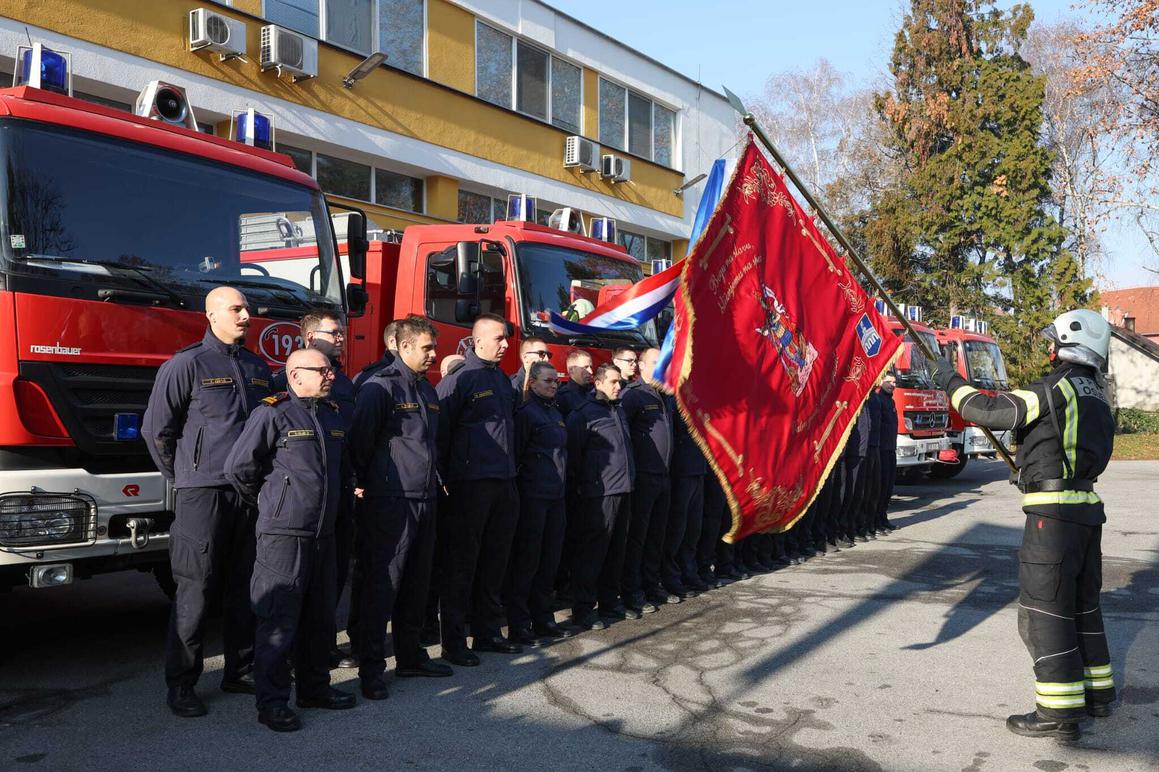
(478, 531)
(535, 556)
(688, 494)
(870, 482)
(292, 592)
(396, 548)
(601, 533)
(712, 515)
(1060, 576)
(211, 551)
(888, 478)
(643, 553)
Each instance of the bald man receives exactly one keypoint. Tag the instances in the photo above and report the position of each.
(199, 403)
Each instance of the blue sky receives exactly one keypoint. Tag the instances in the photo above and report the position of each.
(740, 43)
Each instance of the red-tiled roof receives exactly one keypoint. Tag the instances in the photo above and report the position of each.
(1141, 303)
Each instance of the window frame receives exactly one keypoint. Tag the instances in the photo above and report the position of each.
(374, 165)
(675, 164)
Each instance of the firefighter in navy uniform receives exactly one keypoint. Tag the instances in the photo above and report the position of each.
(290, 462)
(1065, 433)
(200, 400)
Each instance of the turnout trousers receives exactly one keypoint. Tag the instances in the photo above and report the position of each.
(211, 551)
(601, 532)
(292, 591)
(535, 556)
(478, 531)
(643, 555)
(396, 549)
(1059, 579)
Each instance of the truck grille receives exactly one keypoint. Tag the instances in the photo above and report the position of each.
(923, 420)
(86, 397)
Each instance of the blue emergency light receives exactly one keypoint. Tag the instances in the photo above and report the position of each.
(521, 207)
(43, 68)
(253, 128)
(126, 427)
(957, 322)
(913, 313)
(879, 304)
(604, 229)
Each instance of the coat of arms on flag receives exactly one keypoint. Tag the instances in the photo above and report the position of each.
(775, 349)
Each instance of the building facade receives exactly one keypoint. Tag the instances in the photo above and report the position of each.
(476, 101)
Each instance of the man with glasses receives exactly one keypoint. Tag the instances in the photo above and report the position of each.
(200, 400)
(290, 462)
(324, 330)
(394, 449)
(531, 350)
(629, 363)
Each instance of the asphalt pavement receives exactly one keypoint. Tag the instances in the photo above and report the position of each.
(902, 653)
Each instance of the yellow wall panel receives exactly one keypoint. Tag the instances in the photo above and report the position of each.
(591, 104)
(442, 197)
(451, 45)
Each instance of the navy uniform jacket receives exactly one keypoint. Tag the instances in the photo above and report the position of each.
(650, 424)
(876, 418)
(888, 429)
(858, 444)
(341, 391)
(599, 449)
(541, 449)
(394, 441)
(360, 377)
(687, 459)
(477, 431)
(571, 395)
(290, 459)
(517, 379)
(200, 400)
(1058, 466)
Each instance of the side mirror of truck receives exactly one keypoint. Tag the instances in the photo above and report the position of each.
(356, 299)
(466, 310)
(356, 243)
(466, 268)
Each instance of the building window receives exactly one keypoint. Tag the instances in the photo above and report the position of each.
(343, 178)
(658, 249)
(531, 81)
(634, 243)
(517, 75)
(398, 190)
(349, 24)
(475, 208)
(493, 60)
(301, 15)
(303, 159)
(632, 122)
(400, 33)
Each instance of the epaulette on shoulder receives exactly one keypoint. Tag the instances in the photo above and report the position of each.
(274, 399)
(190, 347)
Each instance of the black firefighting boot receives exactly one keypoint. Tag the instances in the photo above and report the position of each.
(1033, 725)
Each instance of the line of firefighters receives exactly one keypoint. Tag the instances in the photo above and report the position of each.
(590, 496)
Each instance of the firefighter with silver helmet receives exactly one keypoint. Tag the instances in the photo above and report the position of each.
(1065, 433)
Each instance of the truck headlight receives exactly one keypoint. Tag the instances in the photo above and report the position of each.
(907, 451)
(41, 519)
(909, 424)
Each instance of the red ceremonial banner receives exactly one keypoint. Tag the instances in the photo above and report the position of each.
(776, 349)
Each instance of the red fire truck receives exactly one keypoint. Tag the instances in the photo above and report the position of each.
(977, 358)
(922, 409)
(113, 227)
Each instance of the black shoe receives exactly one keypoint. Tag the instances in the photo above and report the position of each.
(588, 621)
(647, 607)
(697, 586)
(871, 535)
(862, 538)
(615, 613)
(522, 636)
(496, 644)
(1098, 709)
(243, 684)
(727, 576)
(427, 669)
(632, 612)
(848, 544)
(552, 630)
(333, 699)
(342, 660)
(184, 702)
(708, 579)
(1033, 725)
(280, 719)
(429, 636)
(374, 688)
(461, 657)
(664, 598)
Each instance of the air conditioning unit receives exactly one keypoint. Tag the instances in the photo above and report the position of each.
(167, 103)
(216, 32)
(582, 154)
(289, 53)
(616, 169)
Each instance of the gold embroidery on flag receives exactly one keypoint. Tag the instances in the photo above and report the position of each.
(856, 370)
(824, 252)
(828, 429)
(728, 449)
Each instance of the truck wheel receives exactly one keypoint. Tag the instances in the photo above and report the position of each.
(948, 471)
(163, 573)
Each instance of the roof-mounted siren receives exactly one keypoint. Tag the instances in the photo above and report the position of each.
(567, 219)
(250, 127)
(521, 207)
(615, 168)
(957, 322)
(41, 67)
(913, 313)
(212, 31)
(581, 154)
(167, 103)
(289, 53)
(660, 265)
(604, 229)
(983, 327)
(881, 307)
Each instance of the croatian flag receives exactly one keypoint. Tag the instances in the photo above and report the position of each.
(626, 311)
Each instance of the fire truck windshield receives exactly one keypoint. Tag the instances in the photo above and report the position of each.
(987, 370)
(571, 282)
(917, 375)
(98, 218)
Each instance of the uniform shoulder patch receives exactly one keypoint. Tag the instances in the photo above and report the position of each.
(274, 399)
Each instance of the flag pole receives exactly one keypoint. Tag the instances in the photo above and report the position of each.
(751, 121)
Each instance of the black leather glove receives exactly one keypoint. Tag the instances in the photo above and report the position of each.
(943, 373)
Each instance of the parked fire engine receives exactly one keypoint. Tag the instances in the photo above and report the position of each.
(113, 227)
(977, 358)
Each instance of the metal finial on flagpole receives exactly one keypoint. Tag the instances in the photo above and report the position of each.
(851, 253)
